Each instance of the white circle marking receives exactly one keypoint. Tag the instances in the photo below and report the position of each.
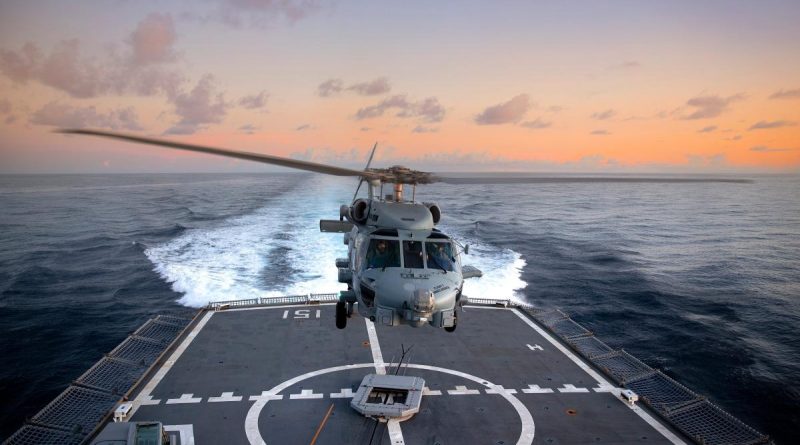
(254, 435)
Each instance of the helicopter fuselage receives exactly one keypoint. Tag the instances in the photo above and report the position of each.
(400, 269)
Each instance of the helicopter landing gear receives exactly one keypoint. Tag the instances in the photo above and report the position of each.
(455, 323)
(341, 314)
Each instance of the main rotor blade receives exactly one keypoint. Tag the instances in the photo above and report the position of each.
(257, 157)
(544, 179)
(369, 161)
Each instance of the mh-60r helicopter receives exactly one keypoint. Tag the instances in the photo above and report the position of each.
(400, 268)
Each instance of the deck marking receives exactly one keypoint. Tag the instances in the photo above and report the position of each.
(571, 388)
(266, 396)
(604, 388)
(225, 397)
(395, 434)
(255, 438)
(462, 391)
(497, 389)
(535, 389)
(186, 432)
(346, 393)
(428, 392)
(271, 307)
(377, 356)
(669, 435)
(149, 400)
(146, 393)
(535, 347)
(185, 398)
(306, 394)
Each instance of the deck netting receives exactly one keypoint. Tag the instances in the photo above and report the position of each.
(139, 350)
(621, 366)
(661, 392)
(74, 414)
(590, 347)
(568, 328)
(113, 375)
(161, 331)
(77, 409)
(33, 434)
(708, 424)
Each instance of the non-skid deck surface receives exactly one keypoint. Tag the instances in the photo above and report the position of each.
(269, 375)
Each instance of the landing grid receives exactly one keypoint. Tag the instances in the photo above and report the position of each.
(78, 413)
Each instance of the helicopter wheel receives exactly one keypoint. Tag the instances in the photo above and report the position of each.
(455, 323)
(341, 315)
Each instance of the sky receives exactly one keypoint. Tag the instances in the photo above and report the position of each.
(540, 86)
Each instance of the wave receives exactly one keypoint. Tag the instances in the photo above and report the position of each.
(278, 250)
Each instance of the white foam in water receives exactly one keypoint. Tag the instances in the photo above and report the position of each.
(502, 270)
(232, 261)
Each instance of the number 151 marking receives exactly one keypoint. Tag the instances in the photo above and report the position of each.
(301, 313)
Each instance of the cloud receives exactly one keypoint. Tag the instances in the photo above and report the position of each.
(5, 106)
(248, 128)
(330, 87)
(604, 115)
(139, 70)
(600, 133)
(254, 101)
(153, 40)
(198, 107)
(10, 119)
(257, 13)
(303, 127)
(709, 129)
(786, 94)
(428, 110)
(536, 124)
(765, 149)
(765, 125)
(707, 107)
(65, 116)
(421, 129)
(506, 112)
(372, 88)
(737, 137)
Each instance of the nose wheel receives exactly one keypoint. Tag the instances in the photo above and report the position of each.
(341, 314)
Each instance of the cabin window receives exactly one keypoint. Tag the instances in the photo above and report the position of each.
(412, 255)
(383, 253)
(440, 255)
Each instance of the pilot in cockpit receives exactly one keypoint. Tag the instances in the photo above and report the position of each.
(380, 255)
(439, 256)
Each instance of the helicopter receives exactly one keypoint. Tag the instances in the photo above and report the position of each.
(400, 268)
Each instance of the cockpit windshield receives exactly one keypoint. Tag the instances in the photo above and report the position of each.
(440, 255)
(383, 253)
(412, 254)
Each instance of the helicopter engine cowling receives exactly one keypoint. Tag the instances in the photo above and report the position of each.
(436, 212)
(359, 211)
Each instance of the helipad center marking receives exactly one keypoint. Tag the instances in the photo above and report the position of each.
(601, 380)
(377, 356)
(251, 420)
(184, 398)
(225, 397)
(145, 396)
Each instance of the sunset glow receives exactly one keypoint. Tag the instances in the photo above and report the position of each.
(625, 86)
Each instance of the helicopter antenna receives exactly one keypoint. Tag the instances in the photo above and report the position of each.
(360, 180)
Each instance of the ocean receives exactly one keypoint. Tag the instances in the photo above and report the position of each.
(701, 280)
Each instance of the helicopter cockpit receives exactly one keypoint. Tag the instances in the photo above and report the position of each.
(436, 252)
